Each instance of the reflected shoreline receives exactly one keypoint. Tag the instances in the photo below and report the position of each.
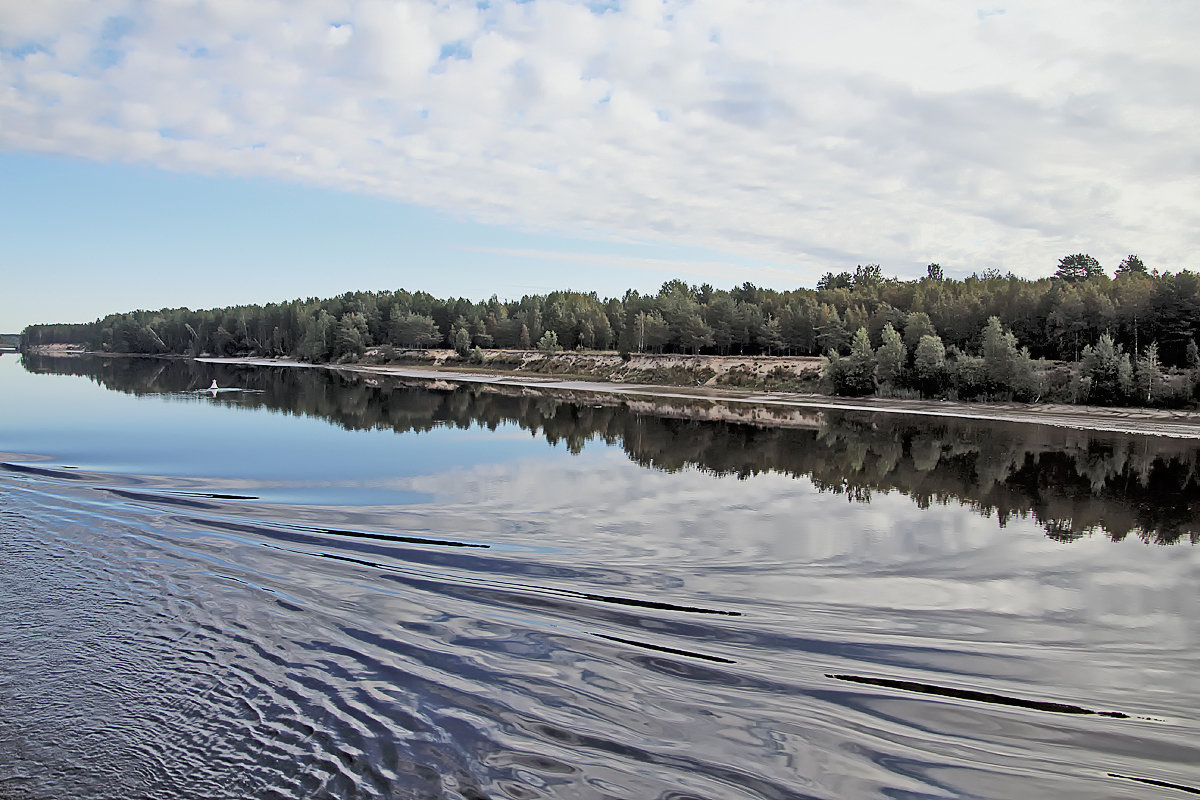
(1178, 424)
(1138, 421)
(1073, 483)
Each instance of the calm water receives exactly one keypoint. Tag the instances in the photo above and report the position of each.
(333, 586)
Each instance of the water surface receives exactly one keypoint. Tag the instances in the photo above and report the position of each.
(331, 585)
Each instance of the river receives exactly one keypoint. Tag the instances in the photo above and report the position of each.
(321, 584)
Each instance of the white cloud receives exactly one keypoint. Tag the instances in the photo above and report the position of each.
(725, 271)
(817, 134)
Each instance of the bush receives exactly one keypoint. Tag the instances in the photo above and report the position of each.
(969, 377)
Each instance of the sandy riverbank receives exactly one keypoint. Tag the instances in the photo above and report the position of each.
(789, 409)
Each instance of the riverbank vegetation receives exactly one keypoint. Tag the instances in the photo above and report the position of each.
(1077, 336)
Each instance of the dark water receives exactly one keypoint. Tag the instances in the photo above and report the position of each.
(337, 586)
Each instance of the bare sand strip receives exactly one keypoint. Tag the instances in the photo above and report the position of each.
(1146, 421)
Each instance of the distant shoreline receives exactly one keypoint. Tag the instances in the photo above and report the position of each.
(754, 406)
(772, 407)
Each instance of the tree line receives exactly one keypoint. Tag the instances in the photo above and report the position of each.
(1077, 314)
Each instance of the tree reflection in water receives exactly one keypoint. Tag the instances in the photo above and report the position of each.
(1073, 483)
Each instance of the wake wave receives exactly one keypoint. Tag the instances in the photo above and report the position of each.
(176, 642)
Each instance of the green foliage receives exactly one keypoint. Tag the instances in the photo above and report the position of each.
(891, 358)
(1106, 376)
(462, 341)
(842, 280)
(1008, 370)
(480, 335)
(853, 375)
(968, 376)
(1078, 267)
(407, 329)
(1149, 375)
(694, 333)
(1131, 264)
(831, 332)
(916, 327)
(770, 337)
(1051, 318)
(351, 337)
(316, 343)
(929, 366)
(549, 342)
(1173, 314)
(866, 276)
(651, 332)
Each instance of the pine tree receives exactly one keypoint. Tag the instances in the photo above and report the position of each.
(1078, 267)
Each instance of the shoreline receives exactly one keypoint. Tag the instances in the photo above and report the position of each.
(1137, 421)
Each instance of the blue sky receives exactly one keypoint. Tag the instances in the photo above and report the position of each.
(82, 239)
(222, 152)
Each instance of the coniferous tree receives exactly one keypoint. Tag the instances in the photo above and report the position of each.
(891, 358)
(770, 337)
(1008, 371)
(1131, 264)
(1106, 375)
(1078, 267)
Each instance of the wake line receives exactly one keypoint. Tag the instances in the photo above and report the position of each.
(983, 697)
(282, 531)
(216, 495)
(578, 595)
(571, 593)
(387, 537)
(43, 471)
(1153, 782)
(661, 649)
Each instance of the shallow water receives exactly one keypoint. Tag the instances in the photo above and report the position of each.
(338, 586)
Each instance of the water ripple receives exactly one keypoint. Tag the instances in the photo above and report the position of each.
(177, 642)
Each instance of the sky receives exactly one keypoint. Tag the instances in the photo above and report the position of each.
(205, 153)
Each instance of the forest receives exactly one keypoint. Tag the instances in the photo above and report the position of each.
(1076, 336)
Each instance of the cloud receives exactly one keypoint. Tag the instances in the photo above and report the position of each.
(888, 556)
(811, 134)
(714, 270)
